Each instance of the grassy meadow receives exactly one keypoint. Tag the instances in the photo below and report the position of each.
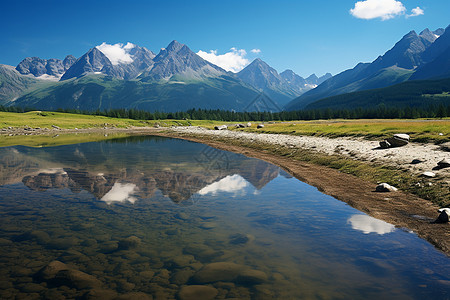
(420, 130)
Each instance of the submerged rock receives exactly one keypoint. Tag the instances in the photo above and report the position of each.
(384, 188)
(57, 273)
(218, 271)
(239, 239)
(252, 277)
(197, 292)
(129, 243)
(134, 296)
(100, 294)
(50, 270)
(76, 279)
(181, 277)
(229, 272)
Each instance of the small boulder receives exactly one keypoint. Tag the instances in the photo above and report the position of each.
(260, 126)
(428, 174)
(445, 163)
(249, 124)
(444, 215)
(385, 144)
(445, 147)
(398, 140)
(384, 188)
(220, 127)
(416, 161)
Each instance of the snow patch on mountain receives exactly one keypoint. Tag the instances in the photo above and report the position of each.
(118, 53)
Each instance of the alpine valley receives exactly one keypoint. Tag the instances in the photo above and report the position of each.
(177, 79)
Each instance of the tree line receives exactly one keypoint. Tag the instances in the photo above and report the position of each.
(379, 112)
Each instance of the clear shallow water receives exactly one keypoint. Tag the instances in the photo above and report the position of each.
(154, 215)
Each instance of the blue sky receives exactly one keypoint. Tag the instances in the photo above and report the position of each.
(306, 36)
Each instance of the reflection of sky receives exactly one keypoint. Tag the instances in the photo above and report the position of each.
(367, 224)
(121, 192)
(232, 184)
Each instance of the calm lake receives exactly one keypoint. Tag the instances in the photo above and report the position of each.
(174, 219)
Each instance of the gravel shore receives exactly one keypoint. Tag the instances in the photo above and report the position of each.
(355, 148)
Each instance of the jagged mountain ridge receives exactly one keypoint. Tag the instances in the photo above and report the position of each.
(281, 87)
(96, 62)
(178, 59)
(176, 64)
(39, 67)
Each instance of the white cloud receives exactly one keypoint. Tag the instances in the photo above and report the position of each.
(367, 224)
(372, 9)
(231, 184)
(416, 12)
(121, 192)
(256, 51)
(117, 53)
(233, 61)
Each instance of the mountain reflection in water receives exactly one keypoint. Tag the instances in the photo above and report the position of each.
(158, 218)
(109, 176)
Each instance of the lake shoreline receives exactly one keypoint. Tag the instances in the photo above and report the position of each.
(404, 210)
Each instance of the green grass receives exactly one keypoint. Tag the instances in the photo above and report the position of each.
(64, 120)
(420, 130)
(54, 139)
(437, 131)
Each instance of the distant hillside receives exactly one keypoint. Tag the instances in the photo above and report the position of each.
(101, 92)
(420, 93)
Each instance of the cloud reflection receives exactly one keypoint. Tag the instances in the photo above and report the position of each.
(53, 171)
(121, 192)
(367, 224)
(231, 184)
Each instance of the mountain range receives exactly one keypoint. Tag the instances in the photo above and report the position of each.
(177, 79)
(415, 56)
(173, 80)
